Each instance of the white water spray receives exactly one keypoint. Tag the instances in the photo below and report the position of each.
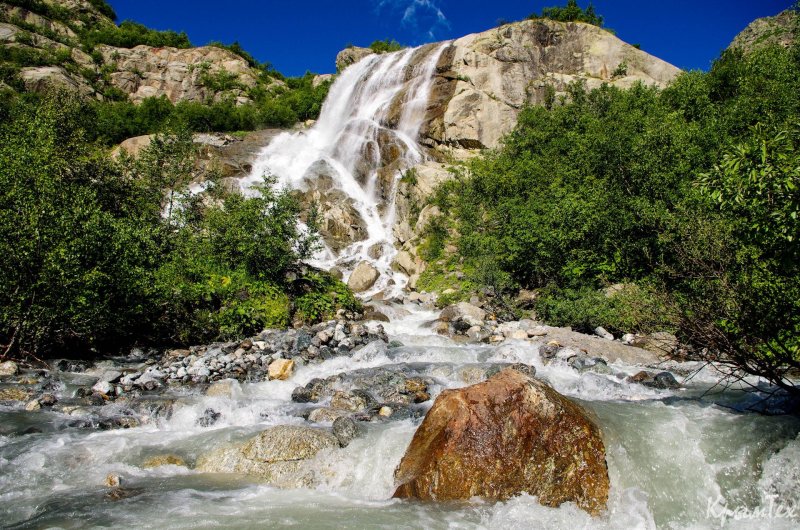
(364, 140)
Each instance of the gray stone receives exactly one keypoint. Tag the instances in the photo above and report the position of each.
(462, 311)
(350, 56)
(8, 368)
(346, 430)
(363, 277)
(276, 455)
(602, 333)
(103, 387)
(209, 418)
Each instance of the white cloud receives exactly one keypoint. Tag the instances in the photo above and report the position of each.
(424, 17)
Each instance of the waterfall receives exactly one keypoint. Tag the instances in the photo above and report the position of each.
(351, 160)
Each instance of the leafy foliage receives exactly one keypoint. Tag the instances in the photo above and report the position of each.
(130, 34)
(282, 107)
(689, 195)
(76, 250)
(572, 12)
(100, 254)
(386, 46)
(104, 8)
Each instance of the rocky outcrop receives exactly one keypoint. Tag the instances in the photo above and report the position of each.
(199, 74)
(43, 78)
(781, 30)
(509, 435)
(350, 56)
(179, 74)
(10, 12)
(277, 456)
(339, 222)
(231, 156)
(485, 79)
(481, 83)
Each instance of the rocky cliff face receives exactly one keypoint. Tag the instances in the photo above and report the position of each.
(483, 80)
(179, 74)
(486, 78)
(781, 29)
(198, 74)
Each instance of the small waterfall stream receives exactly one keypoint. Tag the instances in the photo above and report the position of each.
(364, 140)
(675, 457)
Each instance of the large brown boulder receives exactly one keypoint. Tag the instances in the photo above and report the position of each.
(508, 435)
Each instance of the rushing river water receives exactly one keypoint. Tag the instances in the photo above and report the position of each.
(676, 458)
(672, 454)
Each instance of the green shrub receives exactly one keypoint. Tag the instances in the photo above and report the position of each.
(386, 46)
(130, 34)
(322, 296)
(572, 12)
(104, 8)
(634, 309)
(690, 193)
(220, 81)
(237, 49)
(75, 272)
(102, 254)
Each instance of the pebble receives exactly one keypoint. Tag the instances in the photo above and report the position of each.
(103, 387)
(8, 368)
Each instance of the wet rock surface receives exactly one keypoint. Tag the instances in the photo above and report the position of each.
(276, 456)
(508, 435)
(362, 393)
(477, 325)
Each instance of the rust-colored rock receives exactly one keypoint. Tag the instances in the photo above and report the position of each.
(508, 435)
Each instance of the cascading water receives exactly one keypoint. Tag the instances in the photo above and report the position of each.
(677, 458)
(366, 136)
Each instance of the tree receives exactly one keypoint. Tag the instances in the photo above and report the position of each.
(572, 12)
(754, 321)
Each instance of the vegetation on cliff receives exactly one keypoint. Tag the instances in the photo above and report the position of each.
(386, 46)
(686, 200)
(74, 45)
(300, 100)
(102, 253)
(572, 12)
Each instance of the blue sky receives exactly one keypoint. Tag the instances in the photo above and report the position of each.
(300, 35)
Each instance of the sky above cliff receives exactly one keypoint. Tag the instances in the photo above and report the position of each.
(300, 35)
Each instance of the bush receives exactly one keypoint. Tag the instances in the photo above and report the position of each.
(104, 8)
(102, 254)
(572, 12)
(322, 296)
(77, 245)
(634, 309)
(386, 46)
(130, 34)
(690, 193)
